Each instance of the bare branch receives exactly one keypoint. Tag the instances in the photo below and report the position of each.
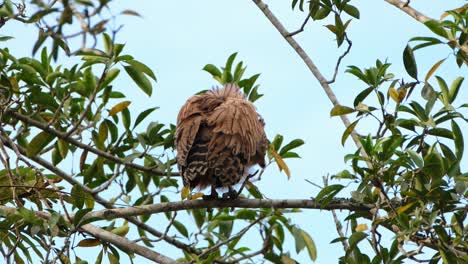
(409, 10)
(404, 6)
(302, 27)
(338, 225)
(126, 244)
(337, 66)
(309, 63)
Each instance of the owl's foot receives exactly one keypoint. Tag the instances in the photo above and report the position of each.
(231, 194)
(212, 196)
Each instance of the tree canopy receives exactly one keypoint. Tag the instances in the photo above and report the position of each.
(80, 170)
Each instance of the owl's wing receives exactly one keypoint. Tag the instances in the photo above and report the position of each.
(235, 126)
(188, 123)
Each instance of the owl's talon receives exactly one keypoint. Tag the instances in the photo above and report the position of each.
(212, 196)
(231, 194)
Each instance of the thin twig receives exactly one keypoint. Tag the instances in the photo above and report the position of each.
(337, 66)
(302, 27)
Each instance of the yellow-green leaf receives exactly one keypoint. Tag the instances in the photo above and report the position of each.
(130, 12)
(119, 107)
(361, 227)
(281, 164)
(310, 245)
(89, 242)
(184, 194)
(433, 69)
(287, 260)
(348, 132)
(393, 94)
(121, 230)
(338, 110)
(39, 142)
(402, 209)
(63, 148)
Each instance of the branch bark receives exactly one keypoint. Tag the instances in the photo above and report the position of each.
(409, 10)
(335, 204)
(126, 244)
(309, 63)
(418, 16)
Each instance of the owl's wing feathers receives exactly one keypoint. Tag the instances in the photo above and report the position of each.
(188, 123)
(235, 126)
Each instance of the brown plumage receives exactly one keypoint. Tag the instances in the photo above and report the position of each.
(219, 136)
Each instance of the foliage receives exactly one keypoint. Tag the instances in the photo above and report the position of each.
(63, 105)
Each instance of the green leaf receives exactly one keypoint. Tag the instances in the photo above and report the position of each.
(291, 145)
(427, 92)
(348, 132)
(78, 196)
(143, 115)
(434, 165)
(410, 62)
(441, 132)
(327, 194)
(298, 238)
(44, 99)
(445, 91)
(338, 110)
(140, 79)
(416, 158)
(458, 139)
(310, 245)
(63, 148)
(181, 228)
(355, 238)
(213, 70)
(142, 68)
(454, 88)
(5, 38)
(110, 76)
(362, 95)
(321, 13)
(436, 27)
(39, 142)
(199, 216)
(351, 10)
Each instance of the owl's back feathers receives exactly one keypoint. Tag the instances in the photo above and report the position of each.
(219, 134)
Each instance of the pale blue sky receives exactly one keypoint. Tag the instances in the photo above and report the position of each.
(177, 38)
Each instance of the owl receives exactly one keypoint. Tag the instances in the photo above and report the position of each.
(219, 136)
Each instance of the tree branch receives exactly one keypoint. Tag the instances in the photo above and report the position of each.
(404, 6)
(409, 10)
(45, 127)
(335, 204)
(309, 63)
(108, 237)
(70, 179)
(126, 244)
